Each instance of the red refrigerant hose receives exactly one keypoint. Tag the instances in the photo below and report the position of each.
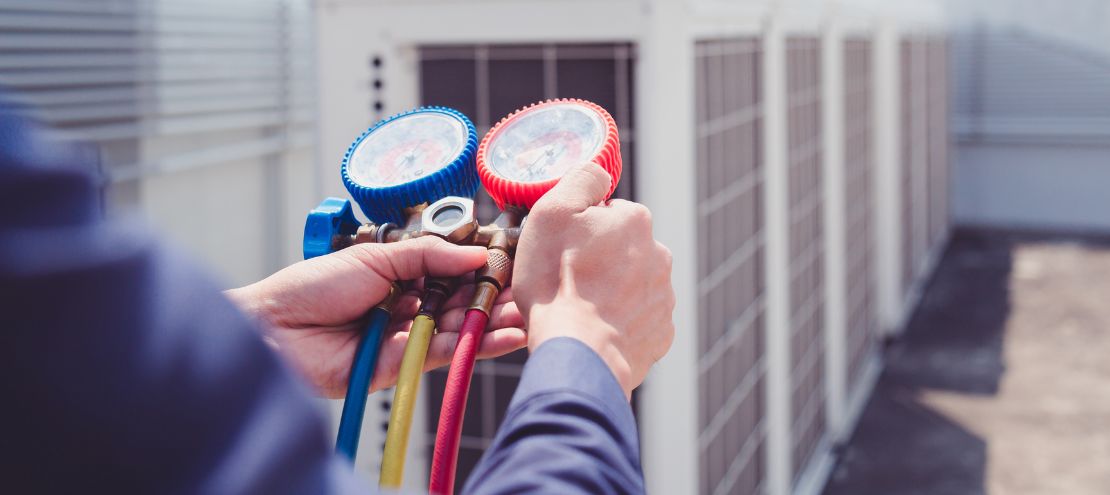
(491, 280)
(446, 451)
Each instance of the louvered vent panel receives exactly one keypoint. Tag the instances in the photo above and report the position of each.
(804, 156)
(187, 83)
(731, 363)
(859, 224)
(1014, 83)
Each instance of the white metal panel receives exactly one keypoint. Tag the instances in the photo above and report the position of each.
(887, 178)
(776, 223)
(667, 185)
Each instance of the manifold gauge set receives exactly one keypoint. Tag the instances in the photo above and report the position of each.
(415, 174)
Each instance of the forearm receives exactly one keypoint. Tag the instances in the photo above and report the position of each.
(569, 429)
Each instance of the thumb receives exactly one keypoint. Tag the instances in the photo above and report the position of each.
(415, 258)
(578, 189)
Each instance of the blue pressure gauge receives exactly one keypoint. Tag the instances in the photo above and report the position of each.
(411, 158)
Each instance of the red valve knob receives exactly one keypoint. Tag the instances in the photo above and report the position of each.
(525, 154)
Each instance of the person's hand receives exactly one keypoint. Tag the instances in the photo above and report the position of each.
(316, 309)
(595, 273)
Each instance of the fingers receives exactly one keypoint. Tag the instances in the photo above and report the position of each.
(622, 211)
(462, 297)
(630, 222)
(501, 316)
(578, 189)
(415, 258)
(494, 344)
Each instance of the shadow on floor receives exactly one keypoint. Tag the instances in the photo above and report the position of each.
(973, 397)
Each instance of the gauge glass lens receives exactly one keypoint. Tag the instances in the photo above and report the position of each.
(448, 215)
(406, 149)
(543, 144)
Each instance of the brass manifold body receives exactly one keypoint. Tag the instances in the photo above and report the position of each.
(452, 218)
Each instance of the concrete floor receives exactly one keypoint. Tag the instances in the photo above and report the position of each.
(1001, 383)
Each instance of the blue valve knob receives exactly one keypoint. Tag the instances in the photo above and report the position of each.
(411, 158)
(333, 217)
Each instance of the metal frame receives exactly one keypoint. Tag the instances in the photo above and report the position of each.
(776, 222)
(836, 361)
(666, 122)
(887, 108)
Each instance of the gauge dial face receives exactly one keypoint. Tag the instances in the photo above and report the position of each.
(406, 149)
(543, 144)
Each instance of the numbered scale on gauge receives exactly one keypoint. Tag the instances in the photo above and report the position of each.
(407, 149)
(526, 153)
(409, 159)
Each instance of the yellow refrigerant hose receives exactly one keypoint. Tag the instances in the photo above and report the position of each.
(408, 383)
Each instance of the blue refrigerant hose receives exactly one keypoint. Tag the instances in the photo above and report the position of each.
(358, 386)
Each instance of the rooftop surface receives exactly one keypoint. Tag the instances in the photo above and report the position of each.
(1000, 383)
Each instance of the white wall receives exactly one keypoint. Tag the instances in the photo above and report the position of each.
(1031, 113)
(1060, 186)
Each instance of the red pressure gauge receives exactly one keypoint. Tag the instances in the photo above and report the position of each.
(525, 154)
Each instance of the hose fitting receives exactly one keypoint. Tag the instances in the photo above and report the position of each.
(436, 292)
(495, 276)
(389, 299)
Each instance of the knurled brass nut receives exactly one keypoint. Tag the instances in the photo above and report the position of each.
(497, 259)
(498, 269)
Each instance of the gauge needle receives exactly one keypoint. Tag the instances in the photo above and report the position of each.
(539, 157)
(410, 158)
(555, 156)
(535, 162)
(551, 154)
